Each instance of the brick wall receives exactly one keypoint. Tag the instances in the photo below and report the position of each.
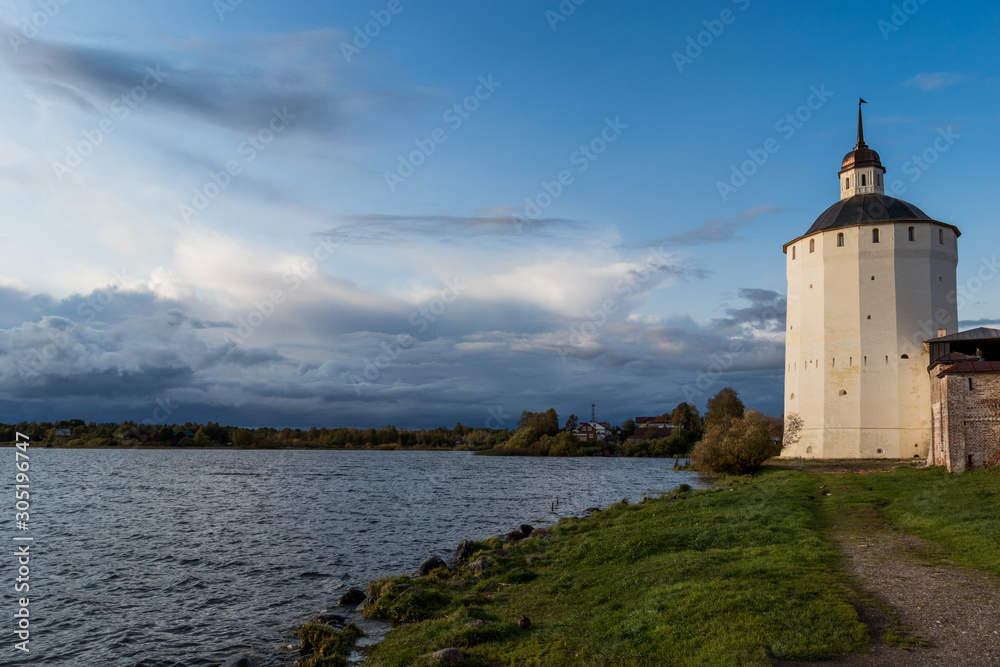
(965, 420)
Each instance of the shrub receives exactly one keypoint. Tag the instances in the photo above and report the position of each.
(680, 442)
(523, 438)
(325, 646)
(563, 444)
(740, 445)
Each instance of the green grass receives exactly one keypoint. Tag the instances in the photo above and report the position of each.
(728, 576)
(325, 646)
(958, 512)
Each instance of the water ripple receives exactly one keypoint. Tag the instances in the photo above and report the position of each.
(182, 559)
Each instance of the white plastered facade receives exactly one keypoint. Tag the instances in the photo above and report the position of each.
(861, 301)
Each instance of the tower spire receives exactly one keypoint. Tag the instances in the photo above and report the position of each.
(861, 171)
(861, 127)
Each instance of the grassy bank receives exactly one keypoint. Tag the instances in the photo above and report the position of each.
(960, 513)
(727, 576)
(722, 577)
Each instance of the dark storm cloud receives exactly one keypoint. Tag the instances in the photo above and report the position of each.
(627, 370)
(239, 98)
(17, 306)
(110, 384)
(766, 311)
(368, 366)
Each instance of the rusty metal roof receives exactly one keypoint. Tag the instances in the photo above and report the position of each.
(979, 333)
(964, 367)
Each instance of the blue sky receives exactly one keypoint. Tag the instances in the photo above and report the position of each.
(258, 214)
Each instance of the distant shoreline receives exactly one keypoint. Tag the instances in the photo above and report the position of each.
(39, 445)
(483, 452)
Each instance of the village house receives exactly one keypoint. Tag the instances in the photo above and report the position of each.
(647, 428)
(592, 431)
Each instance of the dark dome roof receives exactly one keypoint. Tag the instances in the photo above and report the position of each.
(861, 156)
(865, 209)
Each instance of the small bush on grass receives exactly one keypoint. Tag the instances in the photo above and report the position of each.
(738, 446)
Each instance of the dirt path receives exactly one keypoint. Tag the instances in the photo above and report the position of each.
(930, 610)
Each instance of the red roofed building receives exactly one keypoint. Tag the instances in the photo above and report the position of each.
(647, 428)
(592, 431)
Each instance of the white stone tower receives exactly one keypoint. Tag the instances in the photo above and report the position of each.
(867, 284)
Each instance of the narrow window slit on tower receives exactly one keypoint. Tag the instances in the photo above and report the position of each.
(840, 240)
(911, 234)
(875, 235)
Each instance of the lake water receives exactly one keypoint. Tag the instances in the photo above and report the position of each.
(168, 558)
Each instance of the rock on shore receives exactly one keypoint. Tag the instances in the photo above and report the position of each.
(431, 563)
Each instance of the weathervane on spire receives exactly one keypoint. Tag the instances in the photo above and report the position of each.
(861, 129)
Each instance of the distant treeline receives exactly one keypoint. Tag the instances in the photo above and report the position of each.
(77, 433)
(539, 434)
(534, 434)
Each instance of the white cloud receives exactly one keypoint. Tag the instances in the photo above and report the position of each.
(928, 81)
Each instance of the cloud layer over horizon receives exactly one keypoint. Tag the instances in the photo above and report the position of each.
(281, 342)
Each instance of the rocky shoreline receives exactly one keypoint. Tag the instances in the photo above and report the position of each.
(388, 602)
(397, 600)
